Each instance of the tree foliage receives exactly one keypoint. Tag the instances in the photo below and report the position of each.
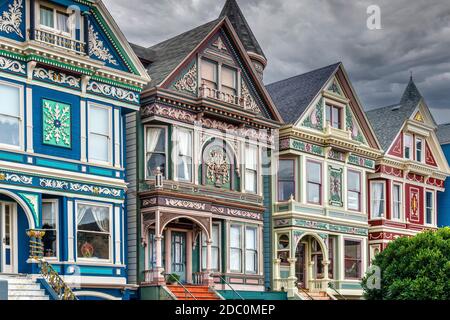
(415, 268)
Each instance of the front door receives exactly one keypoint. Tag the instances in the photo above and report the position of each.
(7, 220)
(300, 264)
(179, 255)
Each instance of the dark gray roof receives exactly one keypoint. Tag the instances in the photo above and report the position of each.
(387, 121)
(443, 133)
(245, 33)
(167, 55)
(292, 96)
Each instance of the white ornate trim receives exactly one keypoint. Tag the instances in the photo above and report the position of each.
(185, 204)
(12, 65)
(97, 48)
(11, 20)
(57, 77)
(113, 92)
(12, 177)
(249, 102)
(188, 82)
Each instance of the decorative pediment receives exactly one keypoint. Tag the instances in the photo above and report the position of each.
(220, 45)
(418, 117)
(429, 157)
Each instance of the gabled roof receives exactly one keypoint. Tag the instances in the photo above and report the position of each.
(245, 33)
(292, 96)
(443, 133)
(388, 121)
(167, 55)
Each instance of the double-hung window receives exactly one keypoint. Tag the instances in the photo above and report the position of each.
(251, 168)
(286, 179)
(156, 148)
(397, 201)
(209, 74)
(408, 146)
(251, 251)
(50, 226)
(10, 116)
(229, 80)
(215, 248)
(100, 135)
(354, 190)
(419, 149)
(429, 197)
(236, 248)
(94, 231)
(377, 196)
(184, 161)
(333, 116)
(314, 182)
(352, 259)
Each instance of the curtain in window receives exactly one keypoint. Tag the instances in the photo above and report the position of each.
(153, 135)
(9, 115)
(46, 16)
(235, 249)
(377, 200)
(62, 22)
(185, 155)
(99, 137)
(100, 215)
(251, 252)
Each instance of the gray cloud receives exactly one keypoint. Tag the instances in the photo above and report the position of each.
(300, 35)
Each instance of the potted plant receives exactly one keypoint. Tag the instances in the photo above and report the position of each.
(173, 278)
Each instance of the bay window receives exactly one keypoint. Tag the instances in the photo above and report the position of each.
(354, 190)
(251, 168)
(419, 149)
(314, 182)
(156, 150)
(251, 251)
(429, 197)
(215, 248)
(184, 161)
(236, 248)
(333, 116)
(93, 231)
(50, 226)
(10, 116)
(100, 135)
(408, 146)
(286, 179)
(352, 259)
(377, 197)
(397, 201)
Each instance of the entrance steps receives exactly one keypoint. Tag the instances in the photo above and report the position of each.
(24, 287)
(199, 292)
(305, 294)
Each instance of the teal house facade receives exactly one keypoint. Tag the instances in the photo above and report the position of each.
(68, 78)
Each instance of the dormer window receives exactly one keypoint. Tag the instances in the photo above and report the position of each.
(333, 116)
(408, 145)
(219, 81)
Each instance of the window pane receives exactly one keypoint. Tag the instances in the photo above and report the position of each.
(93, 236)
(10, 101)
(250, 261)
(285, 190)
(286, 170)
(9, 130)
(156, 140)
(184, 143)
(408, 146)
(209, 71)
(184, 168)
(155, 160)
(46, 16)
(353, 200)
(235, 260)
(250, 238)
(235, 236)
(93, 218)
(430, 206)
(48, 215)
(314, 193)
(250, 181)
(93, 246)
(354, 181)
(49, 240)
(99, 121)
(61, 20)
(215, 235)
(251, 157)
(98, 147)
(314, 172)
(229, 77)
(336, 117)
(352, 254)
(397, 202)
(377, 196)
(419, 149)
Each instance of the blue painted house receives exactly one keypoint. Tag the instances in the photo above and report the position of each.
(443, 134)
(68, 78)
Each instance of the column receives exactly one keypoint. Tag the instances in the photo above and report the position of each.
(158, 277)
(208, 280)
(29, 123)
(70, 232)
(168, 236)
(326, 278)
(83, 126)
(276, 275)
(189, 257)
(292, 289)
(310, 276)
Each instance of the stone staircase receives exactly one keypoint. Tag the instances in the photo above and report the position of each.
(199, 292)
(309, 295)
(23, 287)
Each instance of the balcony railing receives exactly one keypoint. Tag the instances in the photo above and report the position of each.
(211, 93)
(60, 41)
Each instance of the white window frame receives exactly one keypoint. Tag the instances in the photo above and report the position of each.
(55, 204)
(110, 134)
(111, 236)
(20, 147)
(219, 227)
(257, 164)
(296, 182)
(242, 248)
(177, 154)
(360, 200)
(55, 9)
(256, 250)
(422, 141)
(411, 146)
(384, 199)
(401, 211)
(433, 208)
(166, 147)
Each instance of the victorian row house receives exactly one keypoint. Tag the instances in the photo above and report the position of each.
(68, 78)
(443, 134)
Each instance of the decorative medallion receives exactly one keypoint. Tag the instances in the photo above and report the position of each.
(57, 77)
(249, 102)
(98, 49)
(218, 167)
(11, 20)
(113, 92)
(188, 82)
(315, 118)
(414, 204)
(360, 161)
(334, 87)
(335, 186)
(418, 117)
(12, 65)
(219, 44)
(57, 129)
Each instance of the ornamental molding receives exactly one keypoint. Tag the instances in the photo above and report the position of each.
(12, 65)
(188, 82)
(335, 189)
(236, 213)
(79, 187)
(11, 20)
(249, 102)
(98, 49)
(218, 167)
(185, 204)
(113, 92)
(57, 77)
(16, 178)
(32, 201)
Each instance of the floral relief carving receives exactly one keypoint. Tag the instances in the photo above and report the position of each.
(12, 177)
(57, 124)
(218, 167)
(249, 102)
(57, 77)
(114, 92)
(12, 65)
(188, 82)
(98, 49)
(185, 204)
(11, 20)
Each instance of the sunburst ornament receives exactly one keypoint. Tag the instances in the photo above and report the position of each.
(57, 124)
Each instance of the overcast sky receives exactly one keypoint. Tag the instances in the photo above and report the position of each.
(301, 35)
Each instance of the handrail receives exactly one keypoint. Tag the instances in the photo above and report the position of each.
(305, 292)
(178, 281)
(330, 285)
(227, 283)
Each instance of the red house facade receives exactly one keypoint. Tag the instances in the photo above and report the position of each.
(402, 193)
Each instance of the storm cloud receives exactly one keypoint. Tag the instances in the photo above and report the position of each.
(301, 35)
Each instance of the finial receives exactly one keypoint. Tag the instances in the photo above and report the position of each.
(411, 75)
